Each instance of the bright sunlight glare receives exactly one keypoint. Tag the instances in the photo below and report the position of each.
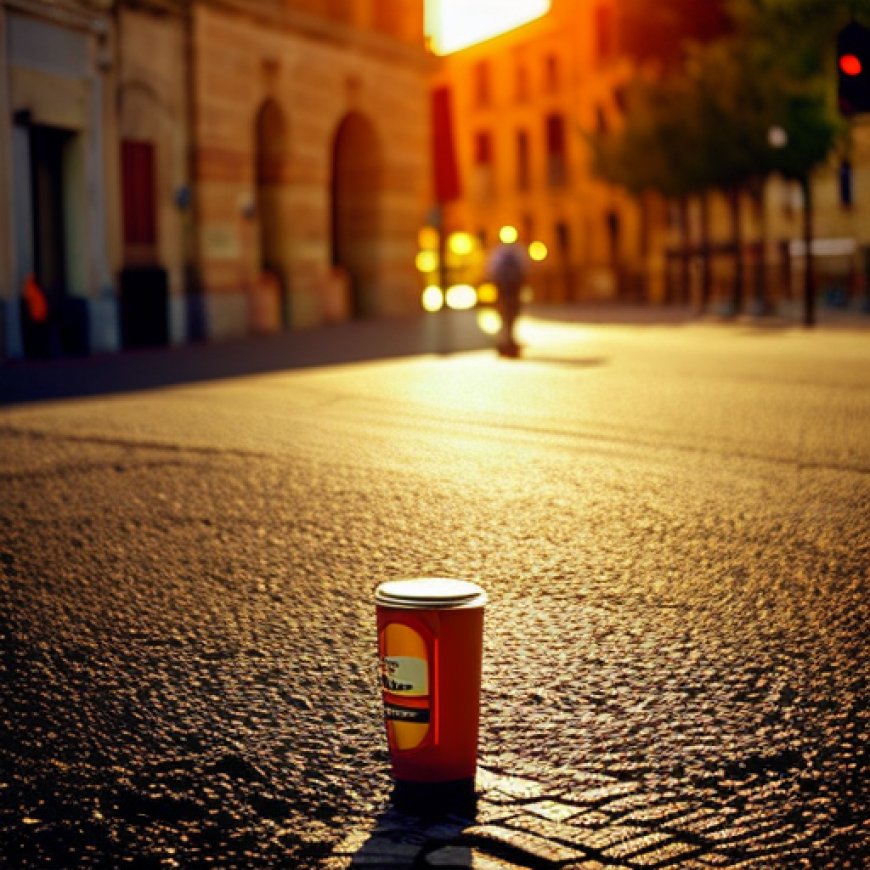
(489, 321)
(455, 24)
(432, 299)
(461, 297)
(507, 235)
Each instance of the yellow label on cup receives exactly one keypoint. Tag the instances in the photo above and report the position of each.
(405, 674)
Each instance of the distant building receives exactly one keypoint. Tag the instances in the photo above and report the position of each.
(513, 116)
(520, 107)
(184, 169)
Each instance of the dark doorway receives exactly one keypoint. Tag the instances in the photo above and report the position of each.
(48, 146)
(61, 327)
(356, 188)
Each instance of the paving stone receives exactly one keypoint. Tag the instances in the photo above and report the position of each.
(603, 838)
(602, 794)
(488, 812)
(461, 857)
(739, 833)
(379, 852)
(450, 856)
(667, 855)
(541, 827)
(631, 802)
(714, 859)
(593, 819)
(659, 813)
(512, 786)
(552, 810)
(523, 846)
(698, 822)
(634, 847)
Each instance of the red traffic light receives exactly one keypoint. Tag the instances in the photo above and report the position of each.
(850, 65)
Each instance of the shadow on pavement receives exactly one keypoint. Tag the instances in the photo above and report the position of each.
(420, 821)
(151, 368)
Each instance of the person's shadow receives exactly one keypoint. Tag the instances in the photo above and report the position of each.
(421, 821)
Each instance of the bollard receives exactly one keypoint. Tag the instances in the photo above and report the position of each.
(430, 639)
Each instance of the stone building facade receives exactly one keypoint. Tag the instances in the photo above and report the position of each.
(522, 106)
(185, 169)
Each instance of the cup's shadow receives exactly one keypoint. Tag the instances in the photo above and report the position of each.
(421, 819)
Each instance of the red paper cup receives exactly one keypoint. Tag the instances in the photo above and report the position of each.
(430, 639)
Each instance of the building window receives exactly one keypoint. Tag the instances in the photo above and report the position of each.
(138, 186)
(524, 174)
(846, 188)
(483, 149)
(484, 176)
(528, 228)
(557, 167)
(482, 92)
(601, 125)
(521, 82)
(551, 73)
(605, 45)
(563, 238)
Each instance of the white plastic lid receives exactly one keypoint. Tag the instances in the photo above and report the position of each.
(430, 592)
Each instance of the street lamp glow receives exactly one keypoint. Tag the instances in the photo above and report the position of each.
(460, 244)
(487, 293)
(461, 297)
(777, 137)
(508, 235)
(538, 251)
(489, 321)
(426, 261)
(432, 299)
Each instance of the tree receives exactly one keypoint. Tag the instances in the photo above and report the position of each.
(703, 124)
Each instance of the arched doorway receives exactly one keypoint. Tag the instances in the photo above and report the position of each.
(356, 220)
(270, 308)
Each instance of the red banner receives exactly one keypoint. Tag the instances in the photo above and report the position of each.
(445, 167)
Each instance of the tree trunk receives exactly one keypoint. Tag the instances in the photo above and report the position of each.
(737, 242)
(809, 265)
(760, 303)
(685, 252)
(706, 263)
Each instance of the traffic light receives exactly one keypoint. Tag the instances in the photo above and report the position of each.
(853, 69)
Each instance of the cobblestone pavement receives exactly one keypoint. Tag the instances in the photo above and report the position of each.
(672, 526)
(598, 822)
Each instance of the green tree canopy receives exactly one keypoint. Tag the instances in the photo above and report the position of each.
(706, 126)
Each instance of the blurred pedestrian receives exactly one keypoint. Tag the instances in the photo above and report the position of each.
(36, 325)
(507, 268)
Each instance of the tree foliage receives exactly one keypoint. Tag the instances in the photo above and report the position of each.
(706, 126)
(704, 123)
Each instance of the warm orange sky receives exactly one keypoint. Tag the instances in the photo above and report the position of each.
(454, 24)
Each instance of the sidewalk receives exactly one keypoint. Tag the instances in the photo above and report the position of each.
(149, 368)
(356, 341)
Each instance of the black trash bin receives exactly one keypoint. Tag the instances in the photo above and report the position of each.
(144, 306)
